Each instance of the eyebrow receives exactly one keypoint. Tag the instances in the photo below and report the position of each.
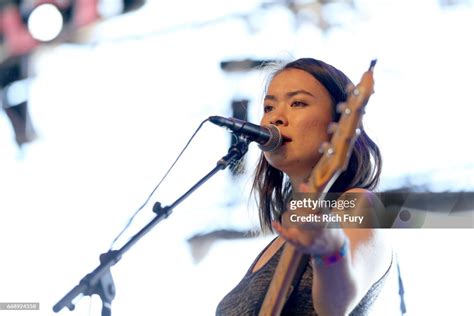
(289, 94)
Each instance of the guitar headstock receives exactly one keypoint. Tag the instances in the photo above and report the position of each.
(337, 152)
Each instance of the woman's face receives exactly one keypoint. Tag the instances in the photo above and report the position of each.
(302, 109)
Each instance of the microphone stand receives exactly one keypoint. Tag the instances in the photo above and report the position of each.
(100, 280)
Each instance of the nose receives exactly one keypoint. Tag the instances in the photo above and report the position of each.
(277, 122)
(278, 118)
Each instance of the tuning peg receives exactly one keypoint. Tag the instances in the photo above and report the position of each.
(326, 148)
(341, 107)
(332, 128)
(349, 88)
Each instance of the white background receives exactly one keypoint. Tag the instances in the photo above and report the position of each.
(112, 114)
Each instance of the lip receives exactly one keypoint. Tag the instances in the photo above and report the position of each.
(285, 139)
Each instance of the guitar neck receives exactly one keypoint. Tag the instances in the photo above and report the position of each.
(280, 286)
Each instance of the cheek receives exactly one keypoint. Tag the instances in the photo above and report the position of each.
(314, 135)
(314, 131)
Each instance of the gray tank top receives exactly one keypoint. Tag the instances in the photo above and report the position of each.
(247, 297)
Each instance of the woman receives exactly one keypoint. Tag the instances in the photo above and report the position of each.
(301, 100)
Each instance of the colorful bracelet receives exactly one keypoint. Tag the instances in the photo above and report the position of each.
(336, 256)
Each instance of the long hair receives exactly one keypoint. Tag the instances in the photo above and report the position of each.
(272, 188)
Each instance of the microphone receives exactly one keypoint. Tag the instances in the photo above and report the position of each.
(268, 137)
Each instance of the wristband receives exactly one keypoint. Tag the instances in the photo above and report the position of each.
(336, 256)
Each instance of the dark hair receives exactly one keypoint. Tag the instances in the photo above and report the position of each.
(272, 187)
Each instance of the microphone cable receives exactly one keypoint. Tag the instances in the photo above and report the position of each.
(156, 187)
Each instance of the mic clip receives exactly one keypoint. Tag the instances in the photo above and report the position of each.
(238, 149)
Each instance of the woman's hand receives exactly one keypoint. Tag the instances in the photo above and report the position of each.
(314, 238)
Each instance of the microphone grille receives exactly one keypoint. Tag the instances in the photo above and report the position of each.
(275, 140)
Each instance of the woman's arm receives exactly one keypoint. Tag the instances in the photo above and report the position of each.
(340, 286)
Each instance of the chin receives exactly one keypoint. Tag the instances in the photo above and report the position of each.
(277, 160)
(292, 167)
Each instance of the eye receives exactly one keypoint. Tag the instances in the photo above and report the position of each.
(298, 104)
(267, 108)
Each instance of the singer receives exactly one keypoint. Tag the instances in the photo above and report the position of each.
(350, 271)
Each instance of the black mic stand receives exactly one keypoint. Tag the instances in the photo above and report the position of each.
(100, 280)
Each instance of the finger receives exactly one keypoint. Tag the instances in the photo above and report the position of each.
(282, 229)
(277, 226)
(289, 234)
(294, 242)
(304, 187)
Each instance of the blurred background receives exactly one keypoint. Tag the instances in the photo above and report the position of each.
(99, 96)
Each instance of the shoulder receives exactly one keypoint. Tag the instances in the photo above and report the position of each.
(362, 196)
(363, 205)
